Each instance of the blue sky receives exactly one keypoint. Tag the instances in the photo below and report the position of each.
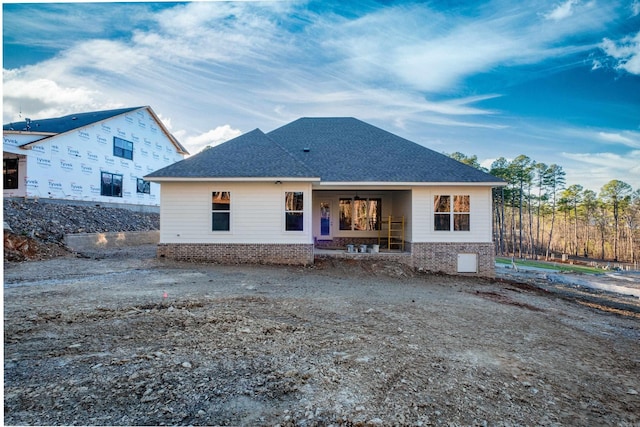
(556, 80)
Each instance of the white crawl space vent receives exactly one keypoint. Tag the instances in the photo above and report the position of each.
(467, 263)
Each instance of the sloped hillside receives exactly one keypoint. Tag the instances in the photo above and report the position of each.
(37, 229)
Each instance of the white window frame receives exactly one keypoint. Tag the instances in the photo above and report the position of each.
(367, 199)
(287, 211)
(451, 213)
(227, 211)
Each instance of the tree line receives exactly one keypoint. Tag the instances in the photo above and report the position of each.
(536, 215)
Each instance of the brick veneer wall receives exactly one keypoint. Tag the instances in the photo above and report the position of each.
(443, 257)
(435, 257)
(289, 254)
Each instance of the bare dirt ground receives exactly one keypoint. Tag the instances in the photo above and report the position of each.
(122, 338)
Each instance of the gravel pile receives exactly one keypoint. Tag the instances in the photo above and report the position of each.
(37, 229)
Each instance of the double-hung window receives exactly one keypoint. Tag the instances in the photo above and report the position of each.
(122, 148)
(451, 213)
(294, 211)
(221, 211)
(110, 184)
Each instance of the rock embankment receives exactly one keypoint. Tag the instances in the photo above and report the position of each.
(37, 229)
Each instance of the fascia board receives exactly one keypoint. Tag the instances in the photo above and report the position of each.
(410, 184)
(230, 179)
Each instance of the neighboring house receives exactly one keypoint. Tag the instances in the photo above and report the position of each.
(99, 156)
(326, 182)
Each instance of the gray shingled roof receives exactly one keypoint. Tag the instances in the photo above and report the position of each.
(64, 124)
(251, 155)
(339, 149)
(345, 149)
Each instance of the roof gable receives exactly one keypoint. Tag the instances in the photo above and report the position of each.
(251, 155)
(344, 149)
(55, 126)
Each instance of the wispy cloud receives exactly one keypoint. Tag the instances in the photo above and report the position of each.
(223, 54)
(562, 10)
(215, 69)
(433, 52)
(626, 52)
(597, 169)
(628, 138)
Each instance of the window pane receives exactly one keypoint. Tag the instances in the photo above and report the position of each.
(105, 184)
(10, 173)
(442, 222)
(345, 214)
(461, 204)
(461, 222)
(360, 214)
(220, 221)
(375, 211)
(220, 201)
(294, 221)
(122, 148)
(143, 186)
(294, 201)
(441, 204)
(117, 185)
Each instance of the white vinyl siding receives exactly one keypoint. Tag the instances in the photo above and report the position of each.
(480, 215)
(257, 213)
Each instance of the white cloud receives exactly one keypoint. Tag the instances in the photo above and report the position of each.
(433, 52)
(593, 170)
(39, 97)
(562, 11)
(625, 51)
(222, 53)
(628, 138)
(195, 143)
(635, 8)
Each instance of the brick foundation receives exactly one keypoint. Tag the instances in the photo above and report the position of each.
(288, 254)
(434, 257)
(443, 257)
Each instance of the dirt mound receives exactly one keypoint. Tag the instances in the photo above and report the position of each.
(23, 248)
(364, 268)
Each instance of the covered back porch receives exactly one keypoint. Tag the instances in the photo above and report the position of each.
(361, 221)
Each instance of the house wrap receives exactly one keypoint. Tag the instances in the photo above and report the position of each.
(99, 156)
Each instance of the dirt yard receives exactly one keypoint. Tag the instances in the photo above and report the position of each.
(123, 338)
